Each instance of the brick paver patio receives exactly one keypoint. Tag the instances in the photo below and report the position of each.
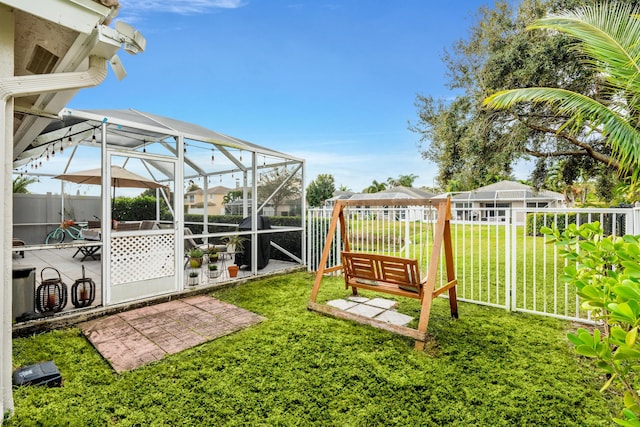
(133, 338)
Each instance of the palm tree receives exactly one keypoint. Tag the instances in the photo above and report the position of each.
(20, 183)
(608, 35)
(375, 187)
(402, 180)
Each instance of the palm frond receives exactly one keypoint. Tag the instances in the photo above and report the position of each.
(621, 135)
(609, 34)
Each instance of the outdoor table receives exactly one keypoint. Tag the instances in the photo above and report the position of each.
(91, 235)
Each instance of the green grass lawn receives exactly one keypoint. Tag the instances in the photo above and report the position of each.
(488, 368)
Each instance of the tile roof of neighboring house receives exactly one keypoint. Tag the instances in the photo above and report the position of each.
(413, 193)
(505, 191)
(218, 189)
(394, 193)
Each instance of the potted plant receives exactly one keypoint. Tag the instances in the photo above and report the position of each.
(233, 270)
(213, 254)
(213, 271)
(193, 278)
(195, 257)
(234, 243)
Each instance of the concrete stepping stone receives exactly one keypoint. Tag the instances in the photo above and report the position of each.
(382, 303)
(394, 318)
(358, 299)
(365, 310)
(341, 304)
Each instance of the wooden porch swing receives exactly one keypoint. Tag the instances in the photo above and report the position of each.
(390, 274)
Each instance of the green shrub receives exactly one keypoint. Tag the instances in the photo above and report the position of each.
(606, 273)
(138, 208)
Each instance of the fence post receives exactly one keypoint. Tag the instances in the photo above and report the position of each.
(407, 241)
(310, 233)
(509, 260)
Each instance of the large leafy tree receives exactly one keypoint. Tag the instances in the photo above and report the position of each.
(320, 189)
(278, 186)
(608, 36)
(473, 145)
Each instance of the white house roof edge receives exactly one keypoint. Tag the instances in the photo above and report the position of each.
(79, 15)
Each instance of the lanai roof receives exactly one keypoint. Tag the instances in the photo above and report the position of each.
(131, 129)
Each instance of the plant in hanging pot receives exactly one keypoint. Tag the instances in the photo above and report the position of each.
(193, 277)
(195, 257)
(213, 271)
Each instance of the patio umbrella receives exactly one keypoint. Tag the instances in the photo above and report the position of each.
(120, 177)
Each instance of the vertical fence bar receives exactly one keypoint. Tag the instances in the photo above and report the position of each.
(535, 259)
(508, 264)
(514, 266)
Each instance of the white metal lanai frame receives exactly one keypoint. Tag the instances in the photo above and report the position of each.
(131, 133)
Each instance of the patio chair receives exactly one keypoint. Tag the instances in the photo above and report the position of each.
(128, 226)
(148, 225)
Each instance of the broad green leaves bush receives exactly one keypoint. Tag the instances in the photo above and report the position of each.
(606, 273)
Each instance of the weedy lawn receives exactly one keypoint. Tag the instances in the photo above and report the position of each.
(489, 367)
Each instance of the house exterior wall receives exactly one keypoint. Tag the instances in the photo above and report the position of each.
(493, 211)
(194, 203)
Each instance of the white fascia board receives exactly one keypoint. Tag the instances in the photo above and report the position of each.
(78, 15)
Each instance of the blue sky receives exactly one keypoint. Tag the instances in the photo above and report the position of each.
(331, 82)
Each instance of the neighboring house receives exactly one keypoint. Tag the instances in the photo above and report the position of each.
(286, 208)
(490, 203)
(391, 194)
(194, 201)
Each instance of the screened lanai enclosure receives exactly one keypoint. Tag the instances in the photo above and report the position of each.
(193, 188)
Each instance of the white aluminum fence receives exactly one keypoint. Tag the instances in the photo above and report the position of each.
(504, 263)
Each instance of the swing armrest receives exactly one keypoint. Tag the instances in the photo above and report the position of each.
(444, 288)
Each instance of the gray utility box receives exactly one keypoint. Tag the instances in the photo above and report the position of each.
(24, 289)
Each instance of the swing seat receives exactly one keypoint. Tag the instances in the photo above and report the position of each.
(382, 273)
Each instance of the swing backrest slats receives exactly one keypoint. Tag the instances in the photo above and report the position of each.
(400, 276)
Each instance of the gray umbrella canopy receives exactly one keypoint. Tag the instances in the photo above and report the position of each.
(120, 177)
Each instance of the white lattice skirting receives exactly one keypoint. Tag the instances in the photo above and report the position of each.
(137, 258)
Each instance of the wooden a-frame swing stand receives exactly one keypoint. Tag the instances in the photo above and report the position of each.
(389, 274)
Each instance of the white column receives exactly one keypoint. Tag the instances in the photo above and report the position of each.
(254, 213)
(205, 206)
(6, 217)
